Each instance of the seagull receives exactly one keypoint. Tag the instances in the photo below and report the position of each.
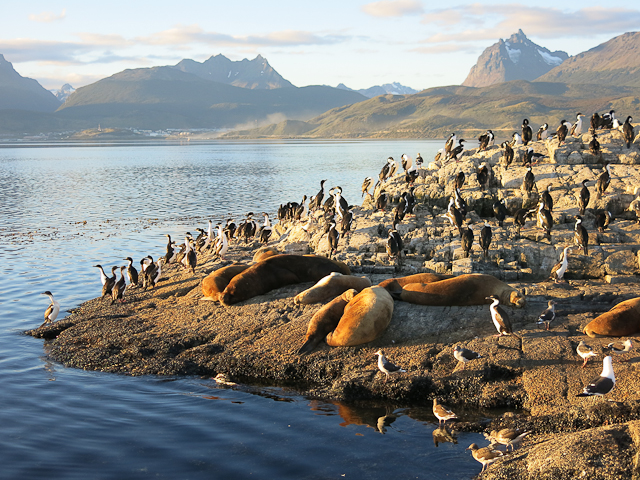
(585, 352)
(386, 366)
(442, 413)
(507, 436)
(604, 383)
(486, 456)
(464, 355)
(51, 313)
(549, 315)
(616, 350)
(500, 317)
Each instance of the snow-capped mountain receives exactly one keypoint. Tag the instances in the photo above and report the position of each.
(394, 88)
(516, 58)
(63, 93)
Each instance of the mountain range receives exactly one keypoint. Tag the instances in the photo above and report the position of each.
(249, 95)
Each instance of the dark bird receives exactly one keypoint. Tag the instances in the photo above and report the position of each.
(602, 384)
(132, 272)
(486, 140)
(456, 153)
(560, 268)
(459, 180)
(527, 133)
(543, 132)
(500, 211)
(117, 292)
(386, 366)
(382, 200)
(486, 455)
(608, 120)
(548, 315)
(464, 355)
(520, 218)
(528, 181)
(627, 131)
(562, 132)
(111, 281)
(170, 255)
(483, 175)
(460, 203)
(485, 239)
(581, 237)
(507, 154)
(317, 200)
(546, 198)
(603, 219)
(545, 220)
(190, 260)
(603, 181)
(442, 413)
(450, 145)
(466, 240)
(334, 237)
(411, 202)
(583, 199)
(454, 216)
(346, 222)
(595, 122)
(585, 352)
(529, 156)
(399, 209)
(366, 185)
(394, 244)
(500, 318)
(594, 145)
(51, 313)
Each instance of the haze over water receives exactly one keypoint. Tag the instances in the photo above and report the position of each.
(66, 208)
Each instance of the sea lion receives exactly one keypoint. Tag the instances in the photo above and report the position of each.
(622, 320)
(463, 290)
(263, 253)
(215, 283)
(325, 320)
(276, 272)
(333, 284)
(365, 317)
(417, 278)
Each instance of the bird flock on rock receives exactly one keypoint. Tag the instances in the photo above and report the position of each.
(338, 217)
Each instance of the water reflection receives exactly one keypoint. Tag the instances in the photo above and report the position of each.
(444, 435)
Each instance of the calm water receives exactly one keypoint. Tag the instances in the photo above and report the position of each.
(65, 208)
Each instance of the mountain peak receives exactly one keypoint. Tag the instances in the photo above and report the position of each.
(516, 58)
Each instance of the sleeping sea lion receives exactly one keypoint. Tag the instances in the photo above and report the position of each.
(276, 272)
(365, 317)
(463, 290)
(417, 278)
(263, 253)
(333, 284)
(215, 283)
(325, 320)
(622, 320)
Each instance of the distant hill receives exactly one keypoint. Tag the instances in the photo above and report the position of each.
(21, 93)
(63, 93)
(616, 62)
(517, 58)
(166, 97)
(256, 73)
(436, 112)
(394, 88)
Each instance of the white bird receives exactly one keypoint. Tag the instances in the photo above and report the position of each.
(51, 313)
(222, 243)
(626, 346)
(585, 352)
(386, 366)
(500, 318)
(604, 383)
(464, 355)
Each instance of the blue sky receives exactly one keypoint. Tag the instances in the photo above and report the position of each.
(421, 44)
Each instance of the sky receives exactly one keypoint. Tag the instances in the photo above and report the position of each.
(420, 44)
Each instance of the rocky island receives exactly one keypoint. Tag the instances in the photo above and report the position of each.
(534, 375)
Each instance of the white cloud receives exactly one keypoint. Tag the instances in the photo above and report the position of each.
(393, 8)
(48, 17)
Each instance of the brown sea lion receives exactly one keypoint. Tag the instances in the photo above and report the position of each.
(325, 320)
(417, 278)
(276, 272)
(621, 321)
(333, 284)
(365, 317)
(463, 290)
(215, 283)
(263, 253)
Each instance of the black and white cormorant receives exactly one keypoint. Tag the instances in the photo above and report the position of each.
(581, 236)
(528, 181)
(450, 145)
(103, 276)
(132, 272)
(456, 153)
(562, 132)
(608, 120)
(594, 145)
(483, 175)
(516, 139)
(576, 129)
(382, 200)
(265, 230)
(117, 292)
(529, 156)
(190, 260)
(486, 140)
(394, 244)
(317, 200)
(500, 211)
(485, 239)
(460, 203)
(51, 313)
(545, 220)
(595, 122)
(603, 181)
(560, 268)
(221, 243)
(507, 154)
(399, 210)
(583, 198)
(546, 198)
(411, 202)
(603, 219)
(466, 240)
(230, 228)
(111, 281)
(346, 223)
(520, 218)
(543, 132)
(500, 318)
(458, 181)
(454, 216)
(527, 133)
(366, 185)
(169, 256)
(627, 131)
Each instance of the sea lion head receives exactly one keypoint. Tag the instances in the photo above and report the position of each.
(517, 299)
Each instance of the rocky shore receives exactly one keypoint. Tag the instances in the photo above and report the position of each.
(173, 330)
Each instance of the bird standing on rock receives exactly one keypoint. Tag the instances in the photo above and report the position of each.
(464, 355)
(467, 240)
(527, 133)
(581, 237)
(528, 181)
(507, 436)
(386, 366)
(51, 313)
(111, 281)
(560, 268)
(583, 199)
(627, 131)
(500, 211)
(500, 318)
(603, 180)
(442, 413)
(485, 239)
(549, 315)
(585, 352)
(486, 455)
(604, 383)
